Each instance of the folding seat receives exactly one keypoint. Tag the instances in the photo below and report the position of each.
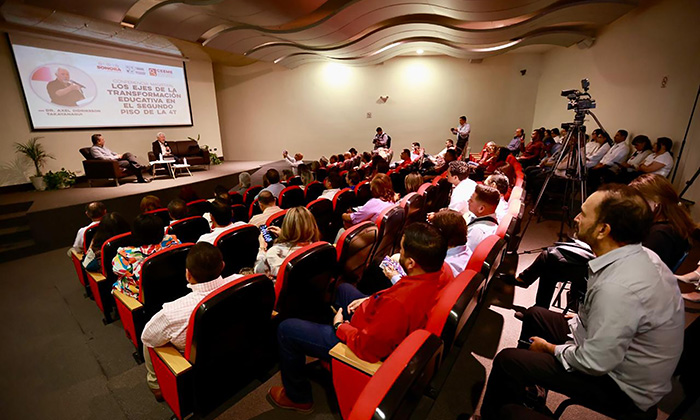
(291, 197)
(296, 181)
(321, 174)
(162, 214)
(444, 190)
(276, 219)
(391, 388)
(305, 283)
(322, 210)
(485, 260)
(88, 235)
(397, 181)
(516, 194)
(313, 191)
(230, 343)
(189, 229)
(342, 202)
(413, 205)
(77, 257)
(254, 209)
(429, 192)
(250, 194)
(162, 280)
(198, 207)
(240, 213)
(363, 193)
(389, 223)
(101, 283)
(236, 198)
(239, 247)
(354, 249)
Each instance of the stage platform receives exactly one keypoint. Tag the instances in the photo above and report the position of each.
(37, 221)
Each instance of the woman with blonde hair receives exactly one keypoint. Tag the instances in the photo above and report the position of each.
(672, 227)
(149, 203)
(299, 229)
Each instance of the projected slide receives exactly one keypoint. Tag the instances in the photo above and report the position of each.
(69, 90)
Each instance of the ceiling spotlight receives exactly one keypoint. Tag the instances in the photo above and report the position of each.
(419, 52)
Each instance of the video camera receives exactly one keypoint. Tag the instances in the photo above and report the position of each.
(579, 101)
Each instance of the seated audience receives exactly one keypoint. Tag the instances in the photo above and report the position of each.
(412, 182)
(371, 326)
(603, 172)
(405, 157)
(532, 153)
(482, 219)
(268, 205)
(642, 149)
(150, 203)
(417, 152)
(148, 238)
(555, 135)
(333, 182)
(660, 161)
(454, 229)
(670, 232)
(458, 176)
(443, 164)
(112, 224)
(307, 177)
(518, 139)
(628, 332)
(294, 162)
(188, 194)
(353, 178)
(177, 209)
(603, 141)
(299, 229)
(169, 325)
(382, 197)
(94, 211)
(221, 216)
(449, 144)
(692, 278)
(272, 183)
(287, 174)
(243, 183)
(500, 183)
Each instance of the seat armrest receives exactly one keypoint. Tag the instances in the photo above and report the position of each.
(173, 359)
(76, 254)
(131, 303)
(343, 353)
(98, 277)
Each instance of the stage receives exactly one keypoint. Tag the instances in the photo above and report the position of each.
(37, 221)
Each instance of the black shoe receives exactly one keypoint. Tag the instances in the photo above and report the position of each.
(143, 181)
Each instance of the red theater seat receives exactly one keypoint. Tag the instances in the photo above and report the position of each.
(354, 249)
(342, 202)
(363, 193)
(306, 283)
(229, 342)
(254, 209)
(239, 247)
(250, 194)
(240, 213)
(77, 257)
(236, 198)
(162, 214)
(88, 235)
(198, 207)
(101, 283)
(413, 205)
(389, 223)
(322, 210)
(313, 191)
(189, 229)
(485, 260)
(276, 219)
(291, 197)
(444, 190)
(162, 280)
(429, 192)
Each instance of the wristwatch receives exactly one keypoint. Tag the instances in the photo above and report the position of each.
(337, 325)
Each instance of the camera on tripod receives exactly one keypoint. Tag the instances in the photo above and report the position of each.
(579, 101)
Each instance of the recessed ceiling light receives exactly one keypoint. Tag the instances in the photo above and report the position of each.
(419, 52)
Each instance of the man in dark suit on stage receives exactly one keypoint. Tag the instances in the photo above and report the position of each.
(160, 147)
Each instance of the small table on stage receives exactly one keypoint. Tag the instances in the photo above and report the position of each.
(165, 164)
(181, 167)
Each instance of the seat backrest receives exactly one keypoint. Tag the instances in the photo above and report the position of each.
(198, 207)
(429, 192)
(343, 200)
(163, 278)
(389, 223)
(239, 247)
(239, 213)
(322, 210)
(276, 219)
(397, 181)
(354, 249)
(305, 283)
(313, 191)
(85, 151)
(254, 209)
(250, 194)
(162, 214)
(486, 258)
(414, 206)
(88, 235)
(227, 337)
(296, 180)
(397, 386)
(321, 174)
(109, 251)
(189, 229)
(444, 189)
(235, 197)
(291, 197)
(363, 193)
(456, 303)
(504, 226)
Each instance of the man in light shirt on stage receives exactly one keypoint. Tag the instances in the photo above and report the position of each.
(126, 160)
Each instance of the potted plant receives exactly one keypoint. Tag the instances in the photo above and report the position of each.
(35, 151)
(60, 179)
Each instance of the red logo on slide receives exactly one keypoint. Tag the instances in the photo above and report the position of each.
(152, 72)
(159, 72)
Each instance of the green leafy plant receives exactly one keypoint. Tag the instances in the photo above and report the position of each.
(59, 179)
(34, 151)
(194, 139)
(213, 157)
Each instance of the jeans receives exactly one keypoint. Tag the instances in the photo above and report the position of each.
(298, 338)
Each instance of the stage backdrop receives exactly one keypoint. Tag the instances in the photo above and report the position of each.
(70, 90)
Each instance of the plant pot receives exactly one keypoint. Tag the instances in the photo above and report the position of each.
(38, 182)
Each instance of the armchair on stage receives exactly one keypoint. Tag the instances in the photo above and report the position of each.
(101, 169)
(186, 149)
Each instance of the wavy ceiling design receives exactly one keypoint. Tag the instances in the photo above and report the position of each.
(359, 32)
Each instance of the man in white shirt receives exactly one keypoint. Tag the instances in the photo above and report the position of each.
(627, 336)
(482, 221)
(268, 205)
(458, 176)
(221, 216)
(449, 144)
(462, 133)
(94, 211)
(297, 160)
(272, 179)
(169, 325)
(332, 183)
(500, 183)
(601, 172)
(595, 154)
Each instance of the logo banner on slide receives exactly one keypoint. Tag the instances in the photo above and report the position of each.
(70, 90)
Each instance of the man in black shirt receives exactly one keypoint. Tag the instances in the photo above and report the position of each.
(63, 91)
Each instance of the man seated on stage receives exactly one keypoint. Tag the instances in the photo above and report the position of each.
(482, 220)
(458, 176)
(161, 149)
(126, 160)
(371, 326)
(94, 211)
(381, 139)
(628, 334)
(268, 205)
(221, 216)
(294, 162)
(169, 325)
(177, 209)
(272, 183)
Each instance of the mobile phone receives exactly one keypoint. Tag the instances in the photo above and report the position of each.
(393, 264)
(267, 236)
(525, 343)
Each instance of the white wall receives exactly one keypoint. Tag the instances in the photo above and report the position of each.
(320, 109)
(626, 66)
(64, 144)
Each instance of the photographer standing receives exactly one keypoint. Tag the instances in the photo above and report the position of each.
(462, 136)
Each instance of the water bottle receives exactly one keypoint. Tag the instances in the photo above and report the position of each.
(161, 156)
(184, 160)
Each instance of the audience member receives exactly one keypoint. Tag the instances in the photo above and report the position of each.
(600, 149)
(371, 326)
(458, 176)
(272, 179)
(532, 153)
(606, 169)
(381, 139)
(518, 139)
(221, 216)
(660, 161)
(443, 164)
(692, 278)
(94, 211)
(454, 229)
(148, 239)
(500, 183)
(333, 182)
(299, 229)
(482, 219)
(188, 194)
(449, 144)
(353, 178)
(642, 149)
(244, 182)
(204, 265)
(412, 182)
(294, 162)
(268, 205)
(462, 133)
(382, 197)
(628, 333)
(555, 135)
(177, 209)
(112, 224)
(417, 152)
(150, 203)
(305, 173)
(670, 232)
(126, 160)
